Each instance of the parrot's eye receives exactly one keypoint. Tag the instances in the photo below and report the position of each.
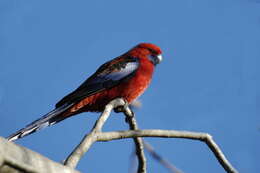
(155, 59)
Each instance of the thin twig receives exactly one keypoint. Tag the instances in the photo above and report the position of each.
(156, 156)
(108, 136)
(138, 141)
(91, 138)
(137, 104)
(96, 134)
(160, 159)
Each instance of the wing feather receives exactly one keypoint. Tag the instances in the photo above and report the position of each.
(108, 75)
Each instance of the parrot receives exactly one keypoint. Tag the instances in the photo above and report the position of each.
(126, 76)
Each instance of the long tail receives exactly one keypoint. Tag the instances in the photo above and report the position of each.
(49, 119)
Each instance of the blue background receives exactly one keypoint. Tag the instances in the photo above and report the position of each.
(206, 83)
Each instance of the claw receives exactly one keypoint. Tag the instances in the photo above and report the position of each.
(125, 109)
(122, 108)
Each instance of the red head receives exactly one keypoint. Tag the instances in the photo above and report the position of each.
(148, 50)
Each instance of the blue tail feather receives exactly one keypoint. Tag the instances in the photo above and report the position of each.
(45, 121)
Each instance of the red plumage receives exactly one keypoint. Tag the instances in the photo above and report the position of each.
(129, 90)
(126, 76)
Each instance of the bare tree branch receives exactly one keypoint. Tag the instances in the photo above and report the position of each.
(137, 104)
(96, 134)
(160, 159)
(17, 159)
(108, 136)
(91, 138)
(138, 141)
(156, 156)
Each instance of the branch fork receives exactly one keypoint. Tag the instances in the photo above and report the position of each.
(120, 105)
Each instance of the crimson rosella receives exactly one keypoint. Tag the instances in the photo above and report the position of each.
(126, 76)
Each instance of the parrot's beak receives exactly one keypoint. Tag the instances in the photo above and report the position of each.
(159, 58)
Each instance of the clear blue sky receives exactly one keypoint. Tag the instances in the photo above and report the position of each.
(207, 81)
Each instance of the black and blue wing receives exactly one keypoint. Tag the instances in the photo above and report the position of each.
(107, 76)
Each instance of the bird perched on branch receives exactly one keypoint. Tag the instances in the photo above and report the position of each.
(126, 76)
